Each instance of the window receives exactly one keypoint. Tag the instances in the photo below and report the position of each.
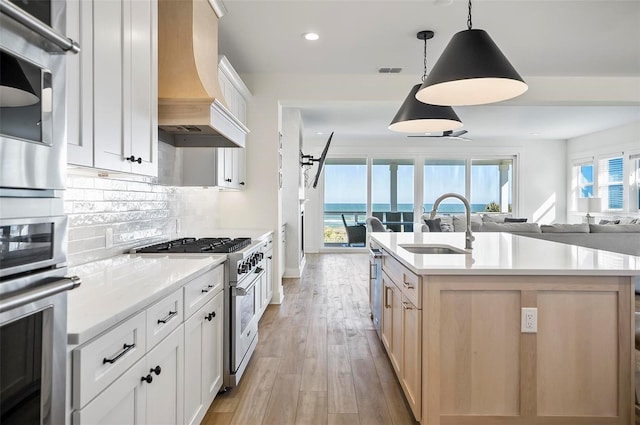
(611, 182)
(345, 192)
(443, 176)
(392, 193)
(491, 185)
(635, 181)
(585, 180)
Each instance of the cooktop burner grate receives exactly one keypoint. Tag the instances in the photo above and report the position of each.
(193, 245)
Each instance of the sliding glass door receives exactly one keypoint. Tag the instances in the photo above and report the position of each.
(392, 193)
(345, 199)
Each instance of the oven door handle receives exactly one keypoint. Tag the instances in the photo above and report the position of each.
(244, 290)
(40, 292)
(37, 26)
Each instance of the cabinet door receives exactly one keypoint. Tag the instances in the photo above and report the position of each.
(79, 90)
(111, 44)
(203, 359)
(125, 85)
(122, 403)
(165, 365)
(212, 353)
(269, 273)
(397, 352)
(228, 167)
(240, 168)
(144, 86)
(411, 376)
(387, 313)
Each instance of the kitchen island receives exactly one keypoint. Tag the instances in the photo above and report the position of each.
(515, 331)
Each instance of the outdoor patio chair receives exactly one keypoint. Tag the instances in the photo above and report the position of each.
(394, 216)
(407, 217)
(375, 225)
(356, 234)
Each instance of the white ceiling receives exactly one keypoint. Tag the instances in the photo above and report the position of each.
(540, 38)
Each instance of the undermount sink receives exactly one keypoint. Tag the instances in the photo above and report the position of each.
(433, 249)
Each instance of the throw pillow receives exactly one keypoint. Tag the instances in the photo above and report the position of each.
(565, 228)
(620, 228)
(626, 220)
(460, 223)
(514, 220)
(433, 225)
(446, 223)
(494, 218)
(609, 222)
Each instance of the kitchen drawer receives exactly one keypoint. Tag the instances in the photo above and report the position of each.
(408, 282)
(201, 289)
(99, 362)
(163, 317)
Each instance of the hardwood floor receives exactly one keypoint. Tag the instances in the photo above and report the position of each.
(319, 359)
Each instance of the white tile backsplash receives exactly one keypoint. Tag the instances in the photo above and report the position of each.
(139, 211)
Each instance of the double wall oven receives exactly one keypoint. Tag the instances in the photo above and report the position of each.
(33, 232)
(244, 274)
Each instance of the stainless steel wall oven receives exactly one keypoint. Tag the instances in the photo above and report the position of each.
(32, 94)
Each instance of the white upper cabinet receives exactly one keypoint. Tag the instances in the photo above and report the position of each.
(113, 110)
(235, 92)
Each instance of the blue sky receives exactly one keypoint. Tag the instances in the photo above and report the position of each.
(348, 183)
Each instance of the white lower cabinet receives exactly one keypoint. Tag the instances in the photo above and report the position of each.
(203, 343)
(155, 367)
(150, 392)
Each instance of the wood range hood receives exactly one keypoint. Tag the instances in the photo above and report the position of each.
(191, 107)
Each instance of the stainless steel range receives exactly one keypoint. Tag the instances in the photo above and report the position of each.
(244, 268)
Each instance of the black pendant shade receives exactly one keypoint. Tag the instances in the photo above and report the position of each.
(471, 71)
(15, 89)
(415, 116)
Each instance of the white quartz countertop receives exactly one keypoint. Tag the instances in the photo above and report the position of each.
(118, 287)
(505, 254)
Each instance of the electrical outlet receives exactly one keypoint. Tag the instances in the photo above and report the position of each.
(529, 320)
(108, 237)
(177, 226)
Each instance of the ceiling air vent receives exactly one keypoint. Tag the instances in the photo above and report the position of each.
(389, 70)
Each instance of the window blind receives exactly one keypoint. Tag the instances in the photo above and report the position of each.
(611, 172)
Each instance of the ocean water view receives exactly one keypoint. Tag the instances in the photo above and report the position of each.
(333, 211)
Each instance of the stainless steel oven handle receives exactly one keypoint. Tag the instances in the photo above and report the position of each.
(42, 291)
(36, 25)
(244, 290)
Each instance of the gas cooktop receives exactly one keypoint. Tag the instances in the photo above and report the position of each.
(193, 245)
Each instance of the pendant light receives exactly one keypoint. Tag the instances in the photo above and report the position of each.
(418, 117)
(471, 71)
(15, 89)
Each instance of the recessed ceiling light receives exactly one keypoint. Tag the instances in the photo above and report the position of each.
(319, 133)
(535, 134)
(311, 36)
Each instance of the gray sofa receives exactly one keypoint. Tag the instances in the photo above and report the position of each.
(621, 238)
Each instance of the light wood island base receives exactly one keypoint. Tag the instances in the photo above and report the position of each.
(479, 368)
(456, 345)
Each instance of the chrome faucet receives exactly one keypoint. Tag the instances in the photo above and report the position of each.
(468, 235)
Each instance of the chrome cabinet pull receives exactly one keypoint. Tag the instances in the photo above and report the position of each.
(125, 349)
(406, 306)
(170, 316)
(386, 297)
(408, 285)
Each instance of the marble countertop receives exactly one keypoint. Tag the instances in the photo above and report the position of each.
(505, 254)
(115, 288)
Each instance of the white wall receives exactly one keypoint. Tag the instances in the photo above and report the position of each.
(624, 139)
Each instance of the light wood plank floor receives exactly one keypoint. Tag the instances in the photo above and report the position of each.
(319, 359)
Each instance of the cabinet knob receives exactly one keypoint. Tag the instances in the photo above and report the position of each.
(241, 183)
(210, 316)
(148, 379)
(156, 370)
(227, 180)
(133, 159)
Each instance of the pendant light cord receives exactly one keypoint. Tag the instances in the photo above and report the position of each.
(469, 23)
(424, 76)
